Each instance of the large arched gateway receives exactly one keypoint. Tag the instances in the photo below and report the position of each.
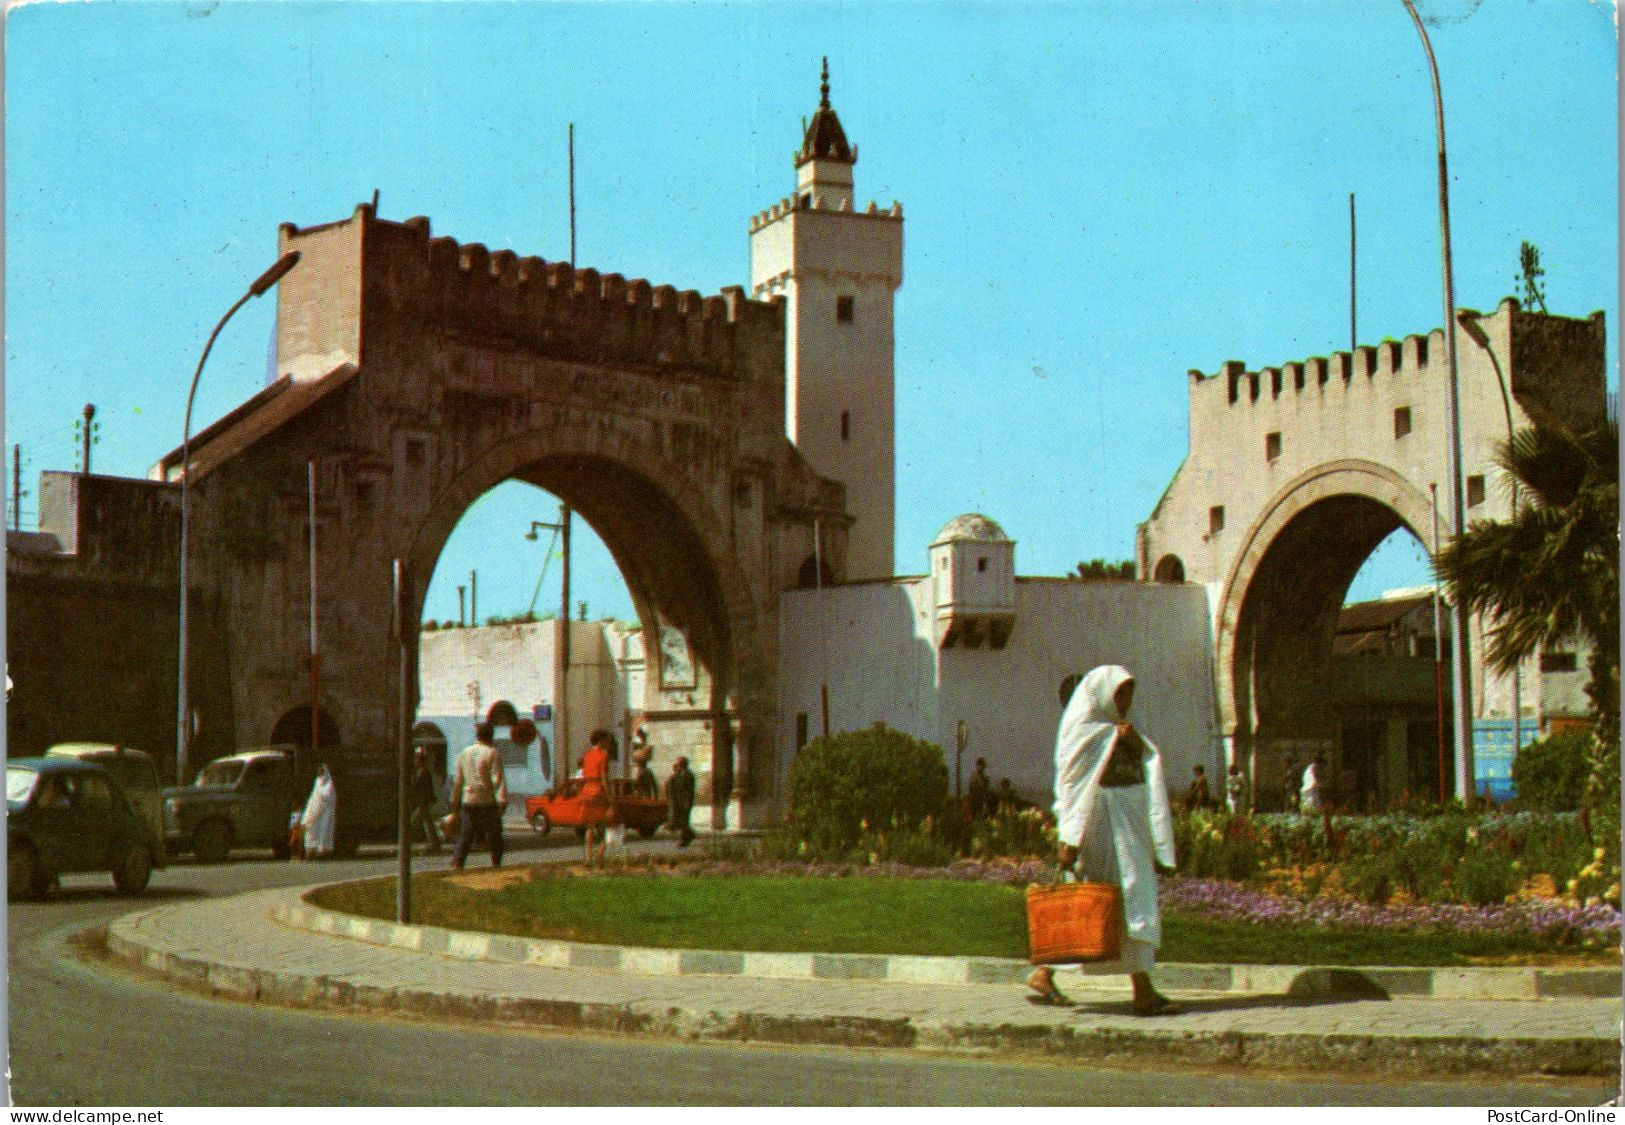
(416, 374)
(1295, 475)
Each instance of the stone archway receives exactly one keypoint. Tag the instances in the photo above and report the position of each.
(420, 373)
(1279, 606)
(662, 536)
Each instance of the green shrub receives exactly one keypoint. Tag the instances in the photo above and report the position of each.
(878, 780)
(1482, 877)
(1550, 773)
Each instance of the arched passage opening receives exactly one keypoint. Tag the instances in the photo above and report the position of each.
(669, 665)
(292, 733)
(1312, 677)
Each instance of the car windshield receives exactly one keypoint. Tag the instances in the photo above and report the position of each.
(19, 785)
(221, 773)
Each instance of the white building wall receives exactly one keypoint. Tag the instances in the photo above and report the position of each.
(881, 666)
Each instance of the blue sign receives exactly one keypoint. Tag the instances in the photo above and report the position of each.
(542, 712)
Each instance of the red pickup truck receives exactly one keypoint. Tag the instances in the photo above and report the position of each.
(565, 808)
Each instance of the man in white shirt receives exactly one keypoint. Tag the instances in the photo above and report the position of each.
(479, 793)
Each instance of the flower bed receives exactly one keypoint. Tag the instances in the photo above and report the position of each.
(1551, 921)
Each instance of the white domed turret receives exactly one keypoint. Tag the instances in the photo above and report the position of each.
(973, 582)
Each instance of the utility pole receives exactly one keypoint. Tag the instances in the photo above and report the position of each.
(17, 487)
(474, 598)
(561, 712)
(89, 433)
(462, 616)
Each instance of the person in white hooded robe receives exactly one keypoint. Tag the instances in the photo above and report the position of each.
(1111, 809)
(321, 813)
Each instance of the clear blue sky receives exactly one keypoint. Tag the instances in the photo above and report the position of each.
(1099, 197)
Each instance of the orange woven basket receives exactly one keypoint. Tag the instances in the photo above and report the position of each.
(1069, 922)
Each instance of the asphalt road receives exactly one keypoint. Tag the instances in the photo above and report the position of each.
(88, 1035)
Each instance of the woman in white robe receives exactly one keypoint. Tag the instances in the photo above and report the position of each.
(321, 812)
(1111, 808)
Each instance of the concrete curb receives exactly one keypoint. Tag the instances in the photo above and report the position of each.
(1395, 1055)
(1298, 981)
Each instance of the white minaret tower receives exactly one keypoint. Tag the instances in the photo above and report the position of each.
(837, 269)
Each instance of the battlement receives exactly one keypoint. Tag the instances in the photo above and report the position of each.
(791, 204)
(1391, 357)
(1553, 366)
(548, 306)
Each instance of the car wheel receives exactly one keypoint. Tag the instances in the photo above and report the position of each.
(539, 823)
(649, 832)
(25, 878)
(211, 843)
(134, 870)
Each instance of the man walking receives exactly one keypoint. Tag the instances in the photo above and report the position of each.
(423, 801)
(479, 792)
(680, 801)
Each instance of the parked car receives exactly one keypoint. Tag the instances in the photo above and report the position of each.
(564, 808)
(65, 815)
(246, 801)
(134, 770)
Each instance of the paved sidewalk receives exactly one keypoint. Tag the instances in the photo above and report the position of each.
(237, 948)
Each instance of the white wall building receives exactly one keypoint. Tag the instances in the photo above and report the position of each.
(973, 643)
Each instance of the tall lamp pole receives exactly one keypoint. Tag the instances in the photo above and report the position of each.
(561, 646)
(1461, 670)
(261, 285)
(1469, 322)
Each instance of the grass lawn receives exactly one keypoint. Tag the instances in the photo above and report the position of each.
(926, 917)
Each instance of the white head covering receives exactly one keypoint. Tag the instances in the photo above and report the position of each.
(1082, 748)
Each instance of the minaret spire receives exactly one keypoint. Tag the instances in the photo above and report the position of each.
(823, 86)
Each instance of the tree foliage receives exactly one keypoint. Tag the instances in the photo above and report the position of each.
(1099, 570)
(1549, 575)
(1550, 773)
(870, 780)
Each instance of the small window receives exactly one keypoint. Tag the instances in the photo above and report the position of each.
(1272, 446)
(846, 425)
(806, 201)
(844, 308)
(1215, 519)
(981, 565)
(801, 729)
(1558, 662)
(1402, 421)
(1475, 491)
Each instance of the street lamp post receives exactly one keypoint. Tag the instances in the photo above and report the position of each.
(261, 285)
(561, 646)
(1461, 671)
(1469, 322)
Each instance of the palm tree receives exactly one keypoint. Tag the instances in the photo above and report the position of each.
(1549, 575)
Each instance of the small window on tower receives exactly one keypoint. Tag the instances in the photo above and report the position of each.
(1475, 491)
(844, 307)
(1272, 446)
(981, 565)
(846, 425)
(1402, 421)
(1215, 519)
